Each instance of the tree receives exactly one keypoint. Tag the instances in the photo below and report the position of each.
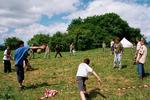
(12, 42)
(101, 28)
(39, 39)
(61, 39)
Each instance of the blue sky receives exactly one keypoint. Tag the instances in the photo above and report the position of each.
(24, 19)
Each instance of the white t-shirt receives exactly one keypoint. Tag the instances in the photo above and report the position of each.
(111, 43)
(5, 55)
(83, 70)
(138, 45)
(143, 52)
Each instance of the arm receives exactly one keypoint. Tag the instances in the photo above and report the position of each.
(137, 61)
(36, 47)
(98, 78)
(141, 52)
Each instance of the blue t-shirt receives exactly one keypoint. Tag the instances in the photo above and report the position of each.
(20, 54)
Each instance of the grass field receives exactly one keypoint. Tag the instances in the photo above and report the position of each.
(59, 74)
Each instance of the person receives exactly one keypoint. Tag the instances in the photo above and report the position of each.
(112, 47)
(137, 49)
(20, 56)
(32, 52)
(141, 58)
(47, 52)
(103, 46)
(72, 49)
(7, 57)
(118, 50)
(27, 65)
(82, 75)
(58, 51)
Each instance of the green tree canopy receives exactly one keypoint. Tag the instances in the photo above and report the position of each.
(90, 32)
(12, 42)
(39, 39)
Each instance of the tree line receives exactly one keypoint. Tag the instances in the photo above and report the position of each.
(87, 33)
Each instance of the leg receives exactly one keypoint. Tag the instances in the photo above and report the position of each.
(60, 54)
(82, 87)
(20, 75)
(82, 95)
(9, 66)
(48, 55)
(115, 60)
(45, 55)
(140, 70)
(5, 66)
(119, 61)
(56, 54)
(143, 71)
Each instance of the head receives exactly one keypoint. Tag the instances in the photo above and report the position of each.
(8, 47)
(87, 61)
(142, 41)
(20, 43)
(117, 40)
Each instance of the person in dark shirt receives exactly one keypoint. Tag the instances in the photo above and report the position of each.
(58, 51)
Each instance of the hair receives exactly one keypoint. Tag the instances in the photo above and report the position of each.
(117, 40)
(142, 40)
(20, 42)
(87, 61)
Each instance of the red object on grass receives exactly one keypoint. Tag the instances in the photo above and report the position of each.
(48, 93)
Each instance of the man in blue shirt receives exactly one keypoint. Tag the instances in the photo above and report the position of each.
(21, 53)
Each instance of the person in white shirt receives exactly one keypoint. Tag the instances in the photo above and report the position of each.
(82, 75)
(47, 52)
(72, 49)
(141, 58)
(7, 57)
(112, 46)
(138, 45)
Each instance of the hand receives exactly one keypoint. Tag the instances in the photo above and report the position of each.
(137, 61)
(99, 82)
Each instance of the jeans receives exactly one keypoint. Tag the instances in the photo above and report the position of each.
(140, 69)
(117, 59)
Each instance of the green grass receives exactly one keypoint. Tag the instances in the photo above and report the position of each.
(59, 74)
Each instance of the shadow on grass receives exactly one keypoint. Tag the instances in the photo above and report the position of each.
(124, 66)
(32, 69)
(147, 74)
(34, 86)
(94, 93)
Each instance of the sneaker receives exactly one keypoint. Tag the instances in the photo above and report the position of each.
(21, 87)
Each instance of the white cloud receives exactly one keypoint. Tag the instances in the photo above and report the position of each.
(3, 30)
(16, 13)
(136, 15)
(22, 15)
(27, 33)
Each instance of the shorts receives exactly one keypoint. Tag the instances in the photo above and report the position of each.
(81, 83)
(20, 73)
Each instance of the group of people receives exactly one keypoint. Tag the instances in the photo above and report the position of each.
(21, 53)
(140, 55)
